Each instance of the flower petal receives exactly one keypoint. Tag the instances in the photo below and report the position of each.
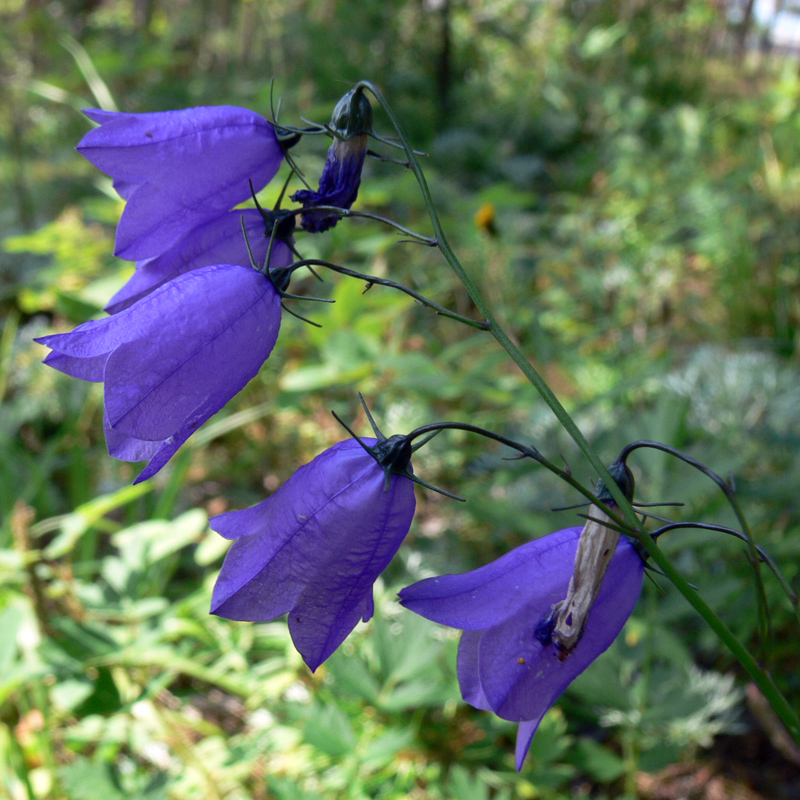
(86, 369)
(488, 595)
(278, 541)
(330, 608)
(218, 241)
(127, 448)
(190, 166)
(218, 325)
(469, 679)
(317, 632)
(520, 677)
(315, 548)
(101, 336)
(525, 731)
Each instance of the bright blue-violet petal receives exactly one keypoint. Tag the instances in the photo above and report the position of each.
(488, 595)
(503, 665)
(524, 691)
(525, 732)
(218, 325)
(178, 169)
(127, 448)
(314, 549)
(279, 541)
(218, 241)
(173, 359)
(469, 679)
(86, 369)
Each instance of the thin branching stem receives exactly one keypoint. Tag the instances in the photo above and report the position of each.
(371, 280)
(759, 676)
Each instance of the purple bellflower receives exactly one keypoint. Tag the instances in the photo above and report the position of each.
(174, 358)
(508, 661)
(351, 124)
(179, 169)
(218, 241)
(315, 547)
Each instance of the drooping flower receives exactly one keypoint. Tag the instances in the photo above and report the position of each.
(174, 358)
(508, 661)
(179, 169)
(315, 547)
(351, 124)
(218, 241)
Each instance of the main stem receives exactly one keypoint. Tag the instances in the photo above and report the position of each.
(761, 678)
(497, 331)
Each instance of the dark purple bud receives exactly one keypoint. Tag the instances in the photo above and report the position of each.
(338, 186)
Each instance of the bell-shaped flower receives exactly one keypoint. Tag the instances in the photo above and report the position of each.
(218, 241)
(507, 660)
(314, 548)
(351, 124)
(173, 359)
(179, 169)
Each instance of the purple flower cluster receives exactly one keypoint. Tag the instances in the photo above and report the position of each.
(169, 363)
(196, 322)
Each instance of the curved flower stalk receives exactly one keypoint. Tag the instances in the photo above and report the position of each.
(508, 661)
(217, 241)
(315, 547)
(173, 359)
(351, 125)
(179, 169)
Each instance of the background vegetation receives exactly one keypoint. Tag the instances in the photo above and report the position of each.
(622, 180)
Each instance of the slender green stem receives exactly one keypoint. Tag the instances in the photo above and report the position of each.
(371, 280)
(760, 677)
(495, 328)
(729, 490)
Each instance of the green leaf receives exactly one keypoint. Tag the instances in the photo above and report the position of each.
(599, 762)
(329, 730)
(381, 752)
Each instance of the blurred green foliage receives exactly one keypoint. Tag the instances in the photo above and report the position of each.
(624, 187)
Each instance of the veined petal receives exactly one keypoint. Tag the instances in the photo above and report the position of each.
(317, 637)
(218, 325)
(218, 241)
(525, 732)
(469, 679)
(86, 369)
(521, 677)
(492, 593)
(101, 336)
(315, 548)
(279, 541)
(188, 167)
(329, 608)
(127, 448)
